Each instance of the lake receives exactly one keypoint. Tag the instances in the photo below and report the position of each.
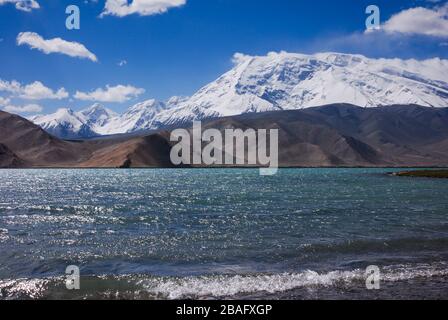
(222, 233)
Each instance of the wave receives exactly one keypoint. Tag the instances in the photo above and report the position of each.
(229, 286)
(386, 245)
(210, 287)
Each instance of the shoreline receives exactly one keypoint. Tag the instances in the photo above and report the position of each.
(427, 168)
(438, 174)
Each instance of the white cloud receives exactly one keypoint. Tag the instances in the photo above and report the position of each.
(56, 45)
(23, 5)
(34, 91)
(118, 93)
(420, 21)
(37, 91)
(4, 101)
(121, 8)
(10, 86)
(29, 108)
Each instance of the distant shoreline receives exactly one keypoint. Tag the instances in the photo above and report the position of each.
(440, 174)
(401, 173)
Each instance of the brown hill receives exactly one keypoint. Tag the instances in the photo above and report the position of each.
(336, 135)
(9, 159)
(306, 140)
(27, 145)
(140, 152)
(346, 135)
(34, 145)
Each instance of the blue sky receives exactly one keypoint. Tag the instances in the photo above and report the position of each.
(178, 51)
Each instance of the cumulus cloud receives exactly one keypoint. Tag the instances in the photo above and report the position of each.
(4, 101)
(420, 21)
(23, 5)
(56, 45)
(29, 108)
(33, 91)
(10, 86)
(119, 93)
(37, 91)
(121, 8)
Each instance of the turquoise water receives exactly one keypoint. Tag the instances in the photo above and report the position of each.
(169, 234)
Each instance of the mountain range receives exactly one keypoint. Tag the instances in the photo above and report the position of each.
(340, 135)
(97, 120)
(275, 82)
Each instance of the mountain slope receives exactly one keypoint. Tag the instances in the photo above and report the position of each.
(139, 117)
(98, 120)
(97, 116)
(136, 118)
(346, 135)
(286, 81)
(333, 135)
(66, 124)
(277, 81)
(141, 152)
(35, 146)
(24, 144)
(9, 159)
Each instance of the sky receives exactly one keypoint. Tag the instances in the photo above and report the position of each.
(128, 51)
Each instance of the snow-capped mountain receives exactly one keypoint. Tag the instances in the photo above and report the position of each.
(97, 115)
(65, 123)
(98, 120)
(137, 118)
(68, 124)
(140, 117)
(282, 81)
(175, 102)
(277, 81)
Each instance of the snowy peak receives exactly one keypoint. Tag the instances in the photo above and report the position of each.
(99, 120)
(63, 116)
(65, 123)
(175, 101)
(97, 111)
(284, 81)
(68, 124)
(294, 81)
(97, 115)
(146, 107)
(137, 118)
(280, 81)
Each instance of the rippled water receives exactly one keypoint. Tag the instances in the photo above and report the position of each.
(170, 234)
